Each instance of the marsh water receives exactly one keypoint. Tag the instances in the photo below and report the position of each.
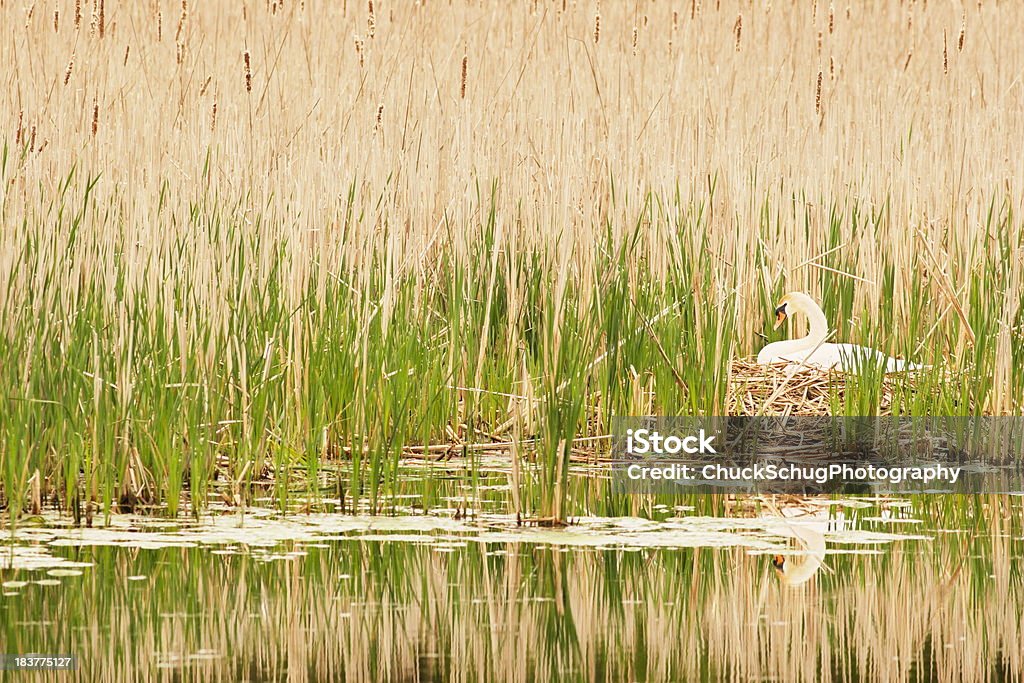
(781, 589)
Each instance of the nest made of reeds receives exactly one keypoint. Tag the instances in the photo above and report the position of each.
(778, 389)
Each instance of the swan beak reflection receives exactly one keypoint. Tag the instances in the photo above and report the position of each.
(780, 316)
(778, 561)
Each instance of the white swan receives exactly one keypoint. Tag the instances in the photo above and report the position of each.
(812, 351)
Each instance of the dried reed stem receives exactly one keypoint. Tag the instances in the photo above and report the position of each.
(817, 96)
(945, 55)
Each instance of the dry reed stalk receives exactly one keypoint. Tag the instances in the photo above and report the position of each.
(95, 117)
(817, 96)
(945, 55)
(672, 33)
(963, 31)
(35, 496)
(179, 34)
(738, 30)
(947, 288)
(102, 20)
(182, 18)
(56, 21)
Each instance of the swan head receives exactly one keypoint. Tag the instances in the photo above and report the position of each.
(792, 303)
(798, 571)
(780, 314)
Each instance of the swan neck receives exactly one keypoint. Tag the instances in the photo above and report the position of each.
(818, 325)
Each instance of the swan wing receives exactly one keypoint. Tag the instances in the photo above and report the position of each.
(847, 357)
(854, 357)
(825, 357)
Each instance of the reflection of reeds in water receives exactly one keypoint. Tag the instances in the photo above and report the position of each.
(947, 609)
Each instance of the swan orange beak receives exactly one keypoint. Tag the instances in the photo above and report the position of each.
(778, 561)
(780, 316)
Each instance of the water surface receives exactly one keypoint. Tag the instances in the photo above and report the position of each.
(781, 591)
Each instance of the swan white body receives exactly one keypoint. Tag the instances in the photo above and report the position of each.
(812, 350)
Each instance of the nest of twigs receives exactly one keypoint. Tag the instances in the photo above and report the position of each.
(756, 389)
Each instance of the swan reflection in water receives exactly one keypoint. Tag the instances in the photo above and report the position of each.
(805, 522)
